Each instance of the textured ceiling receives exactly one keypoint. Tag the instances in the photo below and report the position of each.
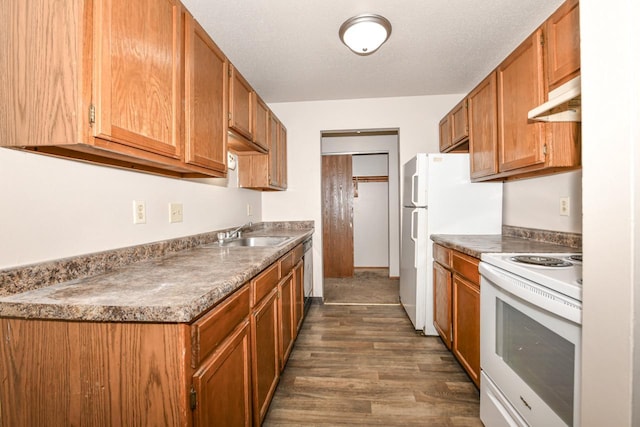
(289, 49)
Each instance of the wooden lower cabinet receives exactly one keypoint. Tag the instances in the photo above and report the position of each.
(64, 373)
(442, 303)
(457, 306)
(222, 385)
(220, 370)
(466, 326)
(264, 352)
(298, 287)
(286, 306)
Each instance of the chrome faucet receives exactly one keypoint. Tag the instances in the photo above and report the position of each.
(237, 232)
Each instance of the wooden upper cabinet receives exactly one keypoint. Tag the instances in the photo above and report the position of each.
(240, 104)
(454, 129)
(562, 44)
(521, 88)
(274, 151)
(137, 81)
(37, 109)
(483, 128)
(516, 147)
(282, 161)
(205, 99)
(277, 153)
(459, 122)
(261, 123)
(113, 92)
(445, 133)
(267, 172)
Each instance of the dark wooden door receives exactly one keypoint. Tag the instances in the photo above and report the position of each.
(337, 216)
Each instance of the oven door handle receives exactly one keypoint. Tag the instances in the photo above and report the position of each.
(532, 293)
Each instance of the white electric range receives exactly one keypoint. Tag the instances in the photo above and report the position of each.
(530, 334)
(560, 272)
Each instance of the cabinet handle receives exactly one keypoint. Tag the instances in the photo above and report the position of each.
(193, 398)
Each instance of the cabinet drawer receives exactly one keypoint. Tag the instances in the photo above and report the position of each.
(442, 255)
(264, 283)
(286, 263)
(466, 266)
(298, 252)
(209, 331)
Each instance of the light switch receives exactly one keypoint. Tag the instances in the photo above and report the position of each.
(175, 212)
(565, 206)
(139, 212)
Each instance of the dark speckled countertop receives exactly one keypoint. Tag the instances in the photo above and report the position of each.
(476, 245)
(177, 287)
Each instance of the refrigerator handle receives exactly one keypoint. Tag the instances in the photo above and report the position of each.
(414, 237)
(414, 188)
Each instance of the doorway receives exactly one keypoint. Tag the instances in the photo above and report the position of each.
(360, 216)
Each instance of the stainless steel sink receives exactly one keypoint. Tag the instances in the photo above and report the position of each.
(257, 241)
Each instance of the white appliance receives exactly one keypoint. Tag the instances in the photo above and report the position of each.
(439, 198)
(307, 274)
(530, 330)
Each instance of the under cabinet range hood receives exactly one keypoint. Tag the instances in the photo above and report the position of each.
(563, 105)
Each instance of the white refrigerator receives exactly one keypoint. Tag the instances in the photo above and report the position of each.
(439, 198)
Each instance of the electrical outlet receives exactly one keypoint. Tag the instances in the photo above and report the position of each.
(565, 206)
(249, 209)
(175, 212)
(139, 212)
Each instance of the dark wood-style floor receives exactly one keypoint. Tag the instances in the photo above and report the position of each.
(365, 365)
(367, 286)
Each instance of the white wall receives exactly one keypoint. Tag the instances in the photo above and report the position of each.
(535, 202)
(53, 208)
(371, 226)
(371, 212)
(372, 164)
(416, 118)
(611, 205)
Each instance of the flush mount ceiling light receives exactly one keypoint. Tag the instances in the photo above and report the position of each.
(364, 34)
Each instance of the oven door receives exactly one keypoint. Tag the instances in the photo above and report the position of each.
(530, 349)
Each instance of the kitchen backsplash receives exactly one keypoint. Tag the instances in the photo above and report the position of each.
(573, 240)
(25, 278)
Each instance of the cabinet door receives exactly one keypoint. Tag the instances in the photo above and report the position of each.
(282, 156)
(466, 326)
(483, 128)
(223, 383)
(445, 134)
(298, 274)
(274, 151)
(261, 123)
(240, 104)
(41, 67)
(287, 321)
(442, 302)
(205, 99)
(459, 122)
(264, 354)
(562, 33)
(520, 88)
(137, 74)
